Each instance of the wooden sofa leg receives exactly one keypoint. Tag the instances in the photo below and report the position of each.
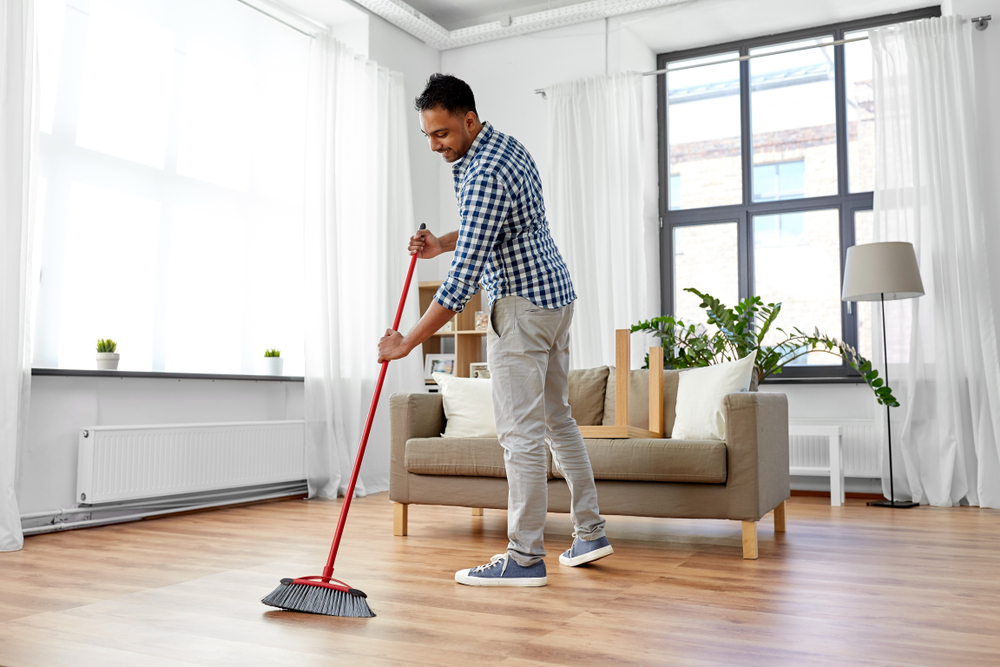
(399, 519)
(779, 518)
(750, 540)
(477, 511)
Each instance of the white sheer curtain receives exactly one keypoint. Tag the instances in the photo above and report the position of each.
(358, 216)
(594, 201)
(18, 120)
(943, 360)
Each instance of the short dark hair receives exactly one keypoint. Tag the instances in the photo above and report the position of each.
(448, 92)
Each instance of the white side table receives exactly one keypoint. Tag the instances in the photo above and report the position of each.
(836, 469)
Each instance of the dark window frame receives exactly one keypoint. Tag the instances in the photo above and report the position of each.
(844, 201)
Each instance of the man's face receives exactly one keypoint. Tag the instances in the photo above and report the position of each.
(447, 134)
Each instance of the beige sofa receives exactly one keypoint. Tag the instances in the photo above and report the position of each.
(741, 479)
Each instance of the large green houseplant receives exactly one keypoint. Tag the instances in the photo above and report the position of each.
(740, 331)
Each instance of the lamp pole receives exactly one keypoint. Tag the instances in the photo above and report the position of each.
(888, 424)
(888, 414)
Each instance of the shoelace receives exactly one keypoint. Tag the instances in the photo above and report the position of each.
(493, 561)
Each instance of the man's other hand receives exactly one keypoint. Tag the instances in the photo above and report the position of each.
(391, 346)
(425, 245)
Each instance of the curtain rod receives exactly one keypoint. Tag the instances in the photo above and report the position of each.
(981, 22)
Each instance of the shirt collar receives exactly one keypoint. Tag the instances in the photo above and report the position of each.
(460, 165)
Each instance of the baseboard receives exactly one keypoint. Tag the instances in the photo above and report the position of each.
(826, 494)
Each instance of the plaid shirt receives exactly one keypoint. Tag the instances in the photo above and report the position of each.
(504, 239)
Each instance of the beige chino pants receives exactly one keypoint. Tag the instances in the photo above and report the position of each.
(528, 352)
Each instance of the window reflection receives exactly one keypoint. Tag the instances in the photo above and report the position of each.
(215, 123)
(860, 113)
(798, 265)
(703, 116)
(706, 257)
(125, 94)
(793, 114)
(110, 263)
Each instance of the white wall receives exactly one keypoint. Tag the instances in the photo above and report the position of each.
(391, 47)
(504, 75)
(61, 406)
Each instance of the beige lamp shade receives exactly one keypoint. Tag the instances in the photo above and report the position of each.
(875, 271)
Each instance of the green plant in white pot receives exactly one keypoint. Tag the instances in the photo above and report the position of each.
(740, 331)
(272, 363)
(107, 355)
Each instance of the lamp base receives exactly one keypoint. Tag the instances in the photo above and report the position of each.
(902, 504)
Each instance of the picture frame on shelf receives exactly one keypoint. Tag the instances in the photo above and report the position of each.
(479, 370)
(439, 363)
(449, 326)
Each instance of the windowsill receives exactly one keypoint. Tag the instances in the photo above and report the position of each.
(90, 372)
(856, 379)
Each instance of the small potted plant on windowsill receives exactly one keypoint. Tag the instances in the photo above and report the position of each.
(107, 357)
(272, 362)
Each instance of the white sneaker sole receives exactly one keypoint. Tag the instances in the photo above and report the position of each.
(588, 557)
(462, 577)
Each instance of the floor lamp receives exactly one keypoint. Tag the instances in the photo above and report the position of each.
(883, 272)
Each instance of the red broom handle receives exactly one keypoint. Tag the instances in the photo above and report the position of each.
(328, 570)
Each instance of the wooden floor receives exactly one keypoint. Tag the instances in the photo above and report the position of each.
(847, 585)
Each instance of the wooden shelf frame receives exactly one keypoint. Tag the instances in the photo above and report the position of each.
(467, 339)
(623, 372)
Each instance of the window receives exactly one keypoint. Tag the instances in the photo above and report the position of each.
(172, 152)
(773, 141)
(773, 182)
(675, 191)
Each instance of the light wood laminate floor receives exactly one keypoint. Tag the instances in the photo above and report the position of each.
(847, 585)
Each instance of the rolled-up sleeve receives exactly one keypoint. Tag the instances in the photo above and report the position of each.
(484, 205)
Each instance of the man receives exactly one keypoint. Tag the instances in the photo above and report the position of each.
(504, 242)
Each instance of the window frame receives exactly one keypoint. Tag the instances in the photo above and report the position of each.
(845, 202)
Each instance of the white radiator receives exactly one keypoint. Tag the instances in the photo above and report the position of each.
(118, 463)
(861, 443)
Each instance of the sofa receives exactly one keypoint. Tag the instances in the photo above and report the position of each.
(741, 479)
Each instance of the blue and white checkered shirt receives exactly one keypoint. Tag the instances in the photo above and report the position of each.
(504, 239)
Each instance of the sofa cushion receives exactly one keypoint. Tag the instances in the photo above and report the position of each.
(586, 395)
(638, 407)
(644, 460)
(468, 406)
(701, 394)
(476, 457)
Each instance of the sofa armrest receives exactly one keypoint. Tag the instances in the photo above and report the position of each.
(411, 416)
(757, 451)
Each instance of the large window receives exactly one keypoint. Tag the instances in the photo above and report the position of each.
(767, 173)
(171, 182)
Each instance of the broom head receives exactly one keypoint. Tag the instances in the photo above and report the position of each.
(319, 595)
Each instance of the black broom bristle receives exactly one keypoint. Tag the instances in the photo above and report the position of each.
(319, 600)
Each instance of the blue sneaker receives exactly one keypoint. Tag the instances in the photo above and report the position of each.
(583, 551)
(502, 570)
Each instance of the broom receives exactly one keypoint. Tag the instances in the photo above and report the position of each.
(324, 594)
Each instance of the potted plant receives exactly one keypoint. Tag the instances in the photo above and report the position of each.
(107, 357)
(272, 362)
(740, 331)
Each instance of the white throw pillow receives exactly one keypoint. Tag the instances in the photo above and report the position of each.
(700, 413)
(468, 406)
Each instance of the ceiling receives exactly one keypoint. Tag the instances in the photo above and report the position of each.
(709, 22)
(456, 14)
(685, 25)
